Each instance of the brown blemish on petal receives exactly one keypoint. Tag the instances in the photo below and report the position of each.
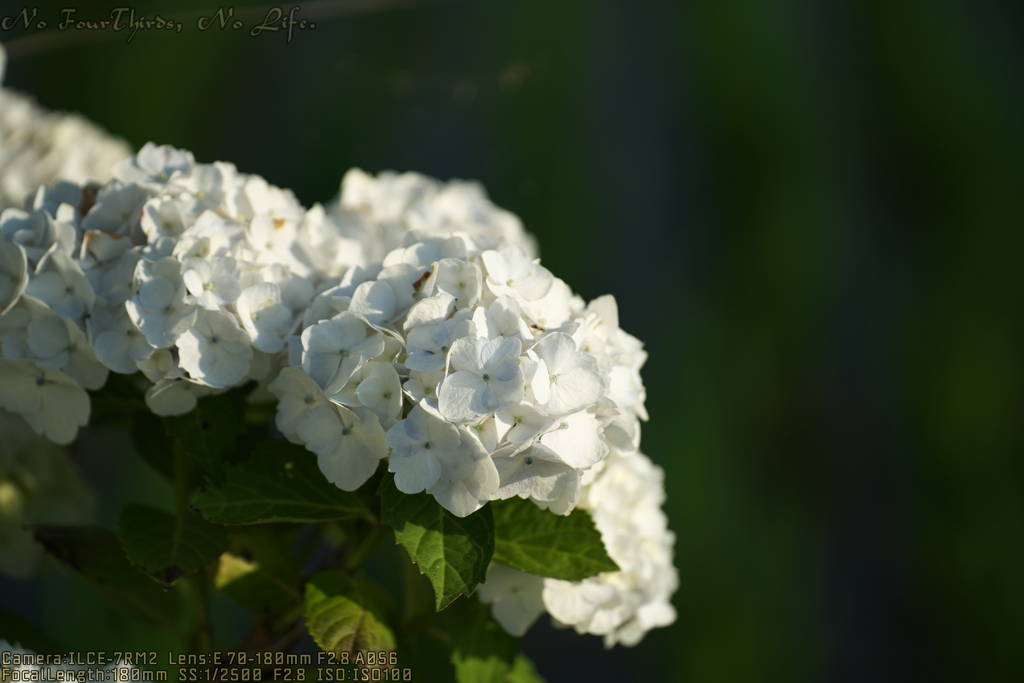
(88, 198)
(419, 283)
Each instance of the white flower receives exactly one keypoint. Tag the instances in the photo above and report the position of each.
(573, 603)
(537, 473)
(52, 403)
(503, 318)
(154, 166)
(51, 198)
(332, 244)
(426, 447)
(459, 278)
(61, 283)
(36, 232)
(392, 208)
(117, 210)
(521, 424)
(577, 439)
(422, 251)
(467, 494)
(422, 385)
(58, 344)
(118, 342)
(264, 317)
(296, 292)
(215, 350)
(381, 393)
(273, 239)
(625, 500)
(162, 364)
(349, 445)
(213, 282)
(625, 386)
(510, 271)
(173, 396)
(515, 596)
(564, 380)
(551, 312)
(297, 394)
(487, 377)
(100, 247)
(109, 263)
(256, 196)
(38, 147)
(165, 218)
(375, 301)
(428, 345)
(159, 309)
(333, 350)
(432, 310)
(384, 197)
(13, 274)
(211, 236)
(408, 282)
(204, 184)
(487, 432)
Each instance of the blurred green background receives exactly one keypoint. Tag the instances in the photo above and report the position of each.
(811, 214)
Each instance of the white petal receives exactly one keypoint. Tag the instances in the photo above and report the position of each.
(347, 472)
(460, 397)
(375, 301)
(321, 429)
(433, 310)
(416, 473)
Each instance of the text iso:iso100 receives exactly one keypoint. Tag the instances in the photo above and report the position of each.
(368, 673)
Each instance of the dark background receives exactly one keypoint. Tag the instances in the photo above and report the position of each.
(811, 214)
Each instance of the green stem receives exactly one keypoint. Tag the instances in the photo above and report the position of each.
(182, 467)
(361, 552)
(200, 639)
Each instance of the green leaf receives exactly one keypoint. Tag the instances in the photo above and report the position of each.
(543, 543)
(118, 402)
(156, 447)
(523, 671)
(210, 431)
(453, 552)
(346, 614)
(260, 572)
(167, 546)
(482, 651)
(280, 483)
(153, 443)
(97, 555)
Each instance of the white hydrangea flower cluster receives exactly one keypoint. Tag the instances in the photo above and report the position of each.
(39, 146)
(30, 666)
(195, 274)
(624, 494)
(38, 485)
(378, 212)
(516, 387)
(408, 321)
